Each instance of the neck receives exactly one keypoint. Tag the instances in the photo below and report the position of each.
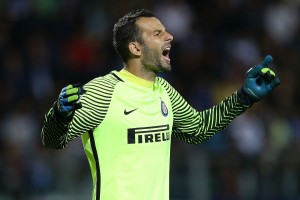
(140, 71)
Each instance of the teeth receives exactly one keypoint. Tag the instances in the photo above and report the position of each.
(168, 48)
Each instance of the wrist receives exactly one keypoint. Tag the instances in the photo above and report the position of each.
(244, 98)
(66, 117)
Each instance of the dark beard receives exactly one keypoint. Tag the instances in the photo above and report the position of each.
(152, 60)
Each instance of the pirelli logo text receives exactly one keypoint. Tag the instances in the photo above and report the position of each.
(149, 134)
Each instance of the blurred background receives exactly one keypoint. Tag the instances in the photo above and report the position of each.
(47, 44)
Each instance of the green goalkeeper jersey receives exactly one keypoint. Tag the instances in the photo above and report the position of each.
(126, 124)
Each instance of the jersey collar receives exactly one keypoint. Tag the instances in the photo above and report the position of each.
(137, 80)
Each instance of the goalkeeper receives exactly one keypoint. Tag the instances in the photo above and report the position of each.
(126, 119)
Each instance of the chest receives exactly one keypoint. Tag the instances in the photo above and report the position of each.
(141, 106)
(142, 115)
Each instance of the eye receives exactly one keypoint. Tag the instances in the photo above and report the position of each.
(157, 33)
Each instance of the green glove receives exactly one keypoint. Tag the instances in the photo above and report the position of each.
(260, 80)
(69, 99)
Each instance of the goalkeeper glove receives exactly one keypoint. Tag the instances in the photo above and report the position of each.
(68, 100)
(260, 80)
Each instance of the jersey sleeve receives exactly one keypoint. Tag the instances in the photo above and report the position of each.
(194, 127)
(57, 132)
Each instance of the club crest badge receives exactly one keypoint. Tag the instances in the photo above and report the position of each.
(164, 109)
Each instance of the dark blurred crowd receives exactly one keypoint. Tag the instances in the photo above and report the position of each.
(48, 44)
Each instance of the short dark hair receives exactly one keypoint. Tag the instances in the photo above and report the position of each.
(126, 31)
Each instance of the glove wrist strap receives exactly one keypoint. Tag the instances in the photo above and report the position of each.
(245, 98)
(61, 116)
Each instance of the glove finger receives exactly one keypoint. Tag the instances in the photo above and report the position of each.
(72, 98)
(256, 71)
(266, 70)
(69, 87)
(76, 88)
(268, 77)
(275, 82)
(81, 90)
(268, 59)
(63, 91)
(72, 91)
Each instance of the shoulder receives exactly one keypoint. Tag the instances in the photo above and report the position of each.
(99, 91)
(106, 82)
(172, 92)
(164, 83)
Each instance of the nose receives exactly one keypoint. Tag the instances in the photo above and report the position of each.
(169, 37)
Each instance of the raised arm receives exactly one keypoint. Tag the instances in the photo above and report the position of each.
(194, 126)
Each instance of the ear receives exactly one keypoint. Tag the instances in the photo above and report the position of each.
(135, 48)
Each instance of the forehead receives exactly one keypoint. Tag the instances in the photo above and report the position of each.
(149, 23)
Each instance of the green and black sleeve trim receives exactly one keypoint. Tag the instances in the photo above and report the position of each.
(194, 127)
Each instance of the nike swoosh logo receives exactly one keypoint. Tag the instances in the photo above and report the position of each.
(128, 112)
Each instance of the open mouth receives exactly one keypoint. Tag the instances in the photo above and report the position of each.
(166, 52)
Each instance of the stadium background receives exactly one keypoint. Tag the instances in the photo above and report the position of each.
(47, 44)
